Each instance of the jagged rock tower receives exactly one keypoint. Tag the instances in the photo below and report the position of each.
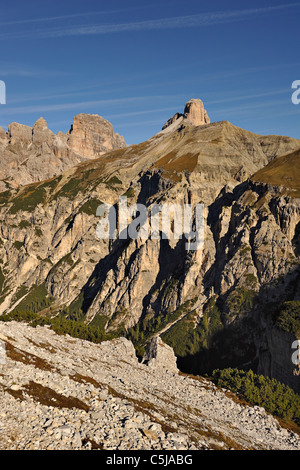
(194, 113)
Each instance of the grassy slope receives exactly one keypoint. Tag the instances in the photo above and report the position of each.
(283, 171)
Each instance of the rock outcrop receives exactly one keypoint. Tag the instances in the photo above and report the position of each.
(91, 136)
(160, 356)
(19, 133)
(194, 113)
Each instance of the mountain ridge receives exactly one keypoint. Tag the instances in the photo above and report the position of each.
(35, 153)
(132, 287)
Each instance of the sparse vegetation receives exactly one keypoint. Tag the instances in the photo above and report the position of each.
(129, 193)
(2, 279)
(61, 325)
(24, 224)
(28, 200)
(241, 300)
(38, 232)
(90, 206)
(188, 338)
(113, 181)
(37, 299)
(282, 171)
(143, 331)
(18, 244)
(289, 318)
(277, 398)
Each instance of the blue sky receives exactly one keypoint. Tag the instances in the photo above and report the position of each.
(136, 63)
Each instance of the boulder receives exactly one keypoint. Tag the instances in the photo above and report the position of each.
(159, 355)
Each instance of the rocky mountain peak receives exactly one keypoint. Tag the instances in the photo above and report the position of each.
(194, 113)
(91, 136)
(35, 153)
(18, 133)
(41, 123)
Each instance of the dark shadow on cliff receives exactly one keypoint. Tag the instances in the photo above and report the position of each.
(242, 340)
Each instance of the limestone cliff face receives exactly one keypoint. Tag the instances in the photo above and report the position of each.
(250, 254)
(194, 113)
(92, 136)
(30, 154)
(275, 358)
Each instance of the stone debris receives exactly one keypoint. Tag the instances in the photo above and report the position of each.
(63, 393)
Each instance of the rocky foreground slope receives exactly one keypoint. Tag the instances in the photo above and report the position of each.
(58, 392)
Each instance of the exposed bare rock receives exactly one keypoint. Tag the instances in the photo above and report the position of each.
(275, 358)
(194, 113)
(34, 154)
(19, 133)
(41, 134)
(91, 136)
(160, 356)
(173, 119)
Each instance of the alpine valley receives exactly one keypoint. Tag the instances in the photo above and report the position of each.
(232, 304)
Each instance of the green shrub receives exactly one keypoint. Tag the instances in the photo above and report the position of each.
(24, 224)
(129, 193)
(144, 331)
(28, 200)
(241, 300)
(289, 317)
(186, 339)
(90, 207)
(113, 180)
(18, 245)
(61, 325)
(277, 398)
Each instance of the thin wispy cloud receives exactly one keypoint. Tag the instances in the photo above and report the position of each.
(245, 97)
(58, 18)
(141, 113)
(246, 108)
(190, 21)
(78, 105)
(7, 70)
(88, 14)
